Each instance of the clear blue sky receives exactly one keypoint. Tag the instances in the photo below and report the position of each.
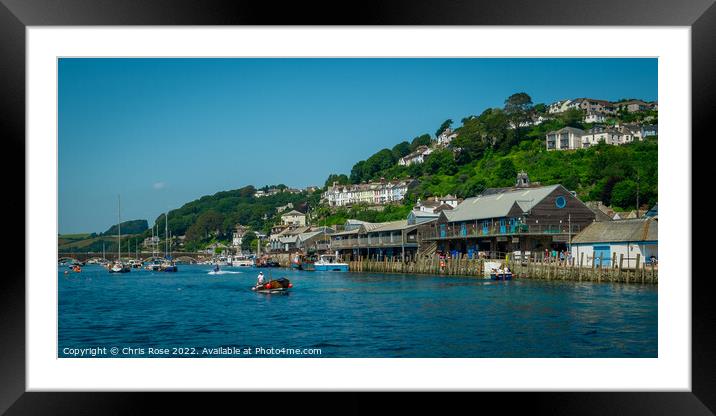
(162, 132)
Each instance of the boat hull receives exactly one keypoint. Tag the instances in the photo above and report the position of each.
(331, 267)
(273, 286)
(507, 276)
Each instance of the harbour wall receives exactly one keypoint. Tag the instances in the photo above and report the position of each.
(530, 268)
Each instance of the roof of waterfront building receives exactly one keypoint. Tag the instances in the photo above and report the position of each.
(308, 235)
(637, 229)
(349, 232)
(497, 205)
(293, 212)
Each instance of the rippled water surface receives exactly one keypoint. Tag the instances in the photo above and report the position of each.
(354, 314)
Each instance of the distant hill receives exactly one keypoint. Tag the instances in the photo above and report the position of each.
(213, 217)
(128, 227)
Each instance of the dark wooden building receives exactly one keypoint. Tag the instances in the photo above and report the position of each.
(524, 218)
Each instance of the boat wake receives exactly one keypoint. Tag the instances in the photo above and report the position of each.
(223, 272)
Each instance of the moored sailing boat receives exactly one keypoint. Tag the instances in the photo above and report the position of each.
(118, 266)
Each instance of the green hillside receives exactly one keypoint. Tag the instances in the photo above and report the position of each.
(128, 227)
(488, 153)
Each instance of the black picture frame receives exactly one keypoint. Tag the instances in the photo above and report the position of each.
(16, 15)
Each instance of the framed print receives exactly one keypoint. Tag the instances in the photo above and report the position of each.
(410, 198)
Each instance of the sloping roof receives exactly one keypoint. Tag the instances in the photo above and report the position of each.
(499, 204)
(288, 239)
(425, 214)
(391, 226)
(349, 232)
(306, 236)
(638, 229)
(293, 212)
(574, 130)
(653, 212)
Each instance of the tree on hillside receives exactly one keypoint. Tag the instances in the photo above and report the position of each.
(209, 223)
(357, 172)
(505, 172)
(340, 178)
(440, 162)
(247, 240)
(447, 123)
(401, 149)
(573, 118)
(424, 140)
(518, 108)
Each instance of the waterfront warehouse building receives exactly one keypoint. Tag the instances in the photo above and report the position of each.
(601, 242)
(385, 240)
(524, 218)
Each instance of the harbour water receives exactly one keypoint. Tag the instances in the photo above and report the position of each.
(195, 314)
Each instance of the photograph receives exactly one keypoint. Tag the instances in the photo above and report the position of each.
(357, 207)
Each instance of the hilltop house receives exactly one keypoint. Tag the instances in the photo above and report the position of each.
(602, 134)
(418, 156)
(592, 117)
(284, 207)
(238, 235)
(600, 242)
(633, 106)
(374, 193)
(591, 105)
(446, 137)
(294, 218)
(565, 138)
(559, 107)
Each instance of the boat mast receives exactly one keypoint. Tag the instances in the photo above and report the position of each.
(166, 234)
(119, 228)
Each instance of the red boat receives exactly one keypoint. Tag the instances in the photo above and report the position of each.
(274, 286)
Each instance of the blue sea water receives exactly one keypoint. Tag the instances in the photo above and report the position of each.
(348, 315)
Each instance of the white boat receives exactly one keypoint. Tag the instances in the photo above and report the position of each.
(242, 261)
(329, 262)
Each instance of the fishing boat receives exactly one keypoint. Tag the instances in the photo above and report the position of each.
(308, 263)
(118, 266)
(296, 262)
(273, 286)
(329, 262)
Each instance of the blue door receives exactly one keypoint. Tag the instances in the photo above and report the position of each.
(513, 225)
(463, 229)
(485, 225)
(503, 227)
(443, 233)
(602, 256)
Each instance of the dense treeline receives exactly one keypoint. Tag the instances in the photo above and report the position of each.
(128, 227)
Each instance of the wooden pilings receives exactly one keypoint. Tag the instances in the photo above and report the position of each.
(539, 268)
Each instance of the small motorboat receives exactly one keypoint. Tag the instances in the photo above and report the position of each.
(76, 268)
(501, 275)
(119, 267)
(329, 262)
(273, 286)
(168, 266)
